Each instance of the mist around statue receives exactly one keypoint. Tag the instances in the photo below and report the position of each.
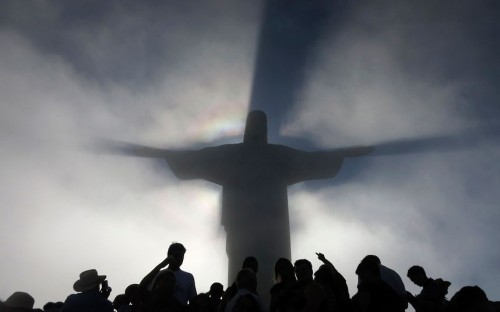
(416, 81)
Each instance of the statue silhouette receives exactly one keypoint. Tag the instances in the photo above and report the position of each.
(254, 176)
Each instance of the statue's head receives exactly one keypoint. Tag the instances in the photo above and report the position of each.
(256, 128)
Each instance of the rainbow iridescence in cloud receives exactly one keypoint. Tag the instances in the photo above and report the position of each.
(218, 125)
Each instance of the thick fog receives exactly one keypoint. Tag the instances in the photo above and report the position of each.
(175, 74)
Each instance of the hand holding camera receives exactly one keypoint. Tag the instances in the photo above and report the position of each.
(105, 289)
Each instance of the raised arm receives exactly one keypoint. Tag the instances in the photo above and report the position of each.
(150, 277)
(322, 258)
(340, 284)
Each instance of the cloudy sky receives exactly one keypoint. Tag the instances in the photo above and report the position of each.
(177, 74)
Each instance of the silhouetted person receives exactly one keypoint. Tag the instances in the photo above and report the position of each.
(161, 296)
(200, 303)
(93, 291)
(19, 302)
(324, 277)
(432, 296)
(132, 297)
(250, 263)
(255, 176)
(246, 298)
(313, 294)
(286, 293)
(373, 294)
(53, 306)
(185, 289)
(215, 294)
(471, 299)
(120, 302)
(391, 278)
(328, 274)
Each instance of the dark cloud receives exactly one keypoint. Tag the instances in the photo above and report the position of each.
(127, 42)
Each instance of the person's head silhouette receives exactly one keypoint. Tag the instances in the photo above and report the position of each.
(246, 279)
(303, 271)
(251, 263)
(176, 251)
(283, 270)
(417, 275)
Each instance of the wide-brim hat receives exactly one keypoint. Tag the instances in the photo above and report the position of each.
(20, 299)
(88, 280)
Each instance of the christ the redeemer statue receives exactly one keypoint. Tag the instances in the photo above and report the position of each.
(254, 176)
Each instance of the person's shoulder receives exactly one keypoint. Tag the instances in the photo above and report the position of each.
(99, 302)
(385, 268)
(185, 273)
(390, 272)
(71, 298)
(391, 277)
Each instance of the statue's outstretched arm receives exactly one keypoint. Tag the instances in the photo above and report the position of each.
(321, 164)
(207, 163)
(355, 151)
(114, 147)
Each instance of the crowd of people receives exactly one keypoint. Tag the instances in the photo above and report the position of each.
(168, 288)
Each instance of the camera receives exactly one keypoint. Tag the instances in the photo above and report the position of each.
(105, 289)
